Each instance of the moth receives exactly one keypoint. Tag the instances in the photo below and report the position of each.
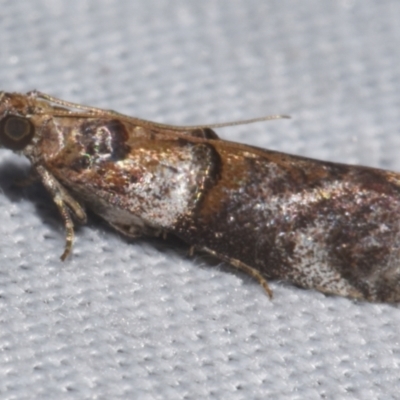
(320, 225)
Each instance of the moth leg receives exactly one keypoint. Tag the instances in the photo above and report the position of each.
(126, 230)
(66, 205)
(243, 267)
(133, 231)
(191, 251)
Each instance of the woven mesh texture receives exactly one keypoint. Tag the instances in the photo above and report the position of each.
(139, 319)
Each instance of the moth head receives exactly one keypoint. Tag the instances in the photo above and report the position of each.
(16, 132)
(16, 128)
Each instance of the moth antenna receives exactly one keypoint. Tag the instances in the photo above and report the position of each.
(246, 121)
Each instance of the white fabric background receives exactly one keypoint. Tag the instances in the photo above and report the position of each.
(140, 320)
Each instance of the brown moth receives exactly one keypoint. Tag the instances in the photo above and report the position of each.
(321, 225)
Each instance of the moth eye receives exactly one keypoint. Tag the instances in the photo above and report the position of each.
(16, 132)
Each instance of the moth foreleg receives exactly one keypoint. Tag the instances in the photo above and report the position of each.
(65, 204)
